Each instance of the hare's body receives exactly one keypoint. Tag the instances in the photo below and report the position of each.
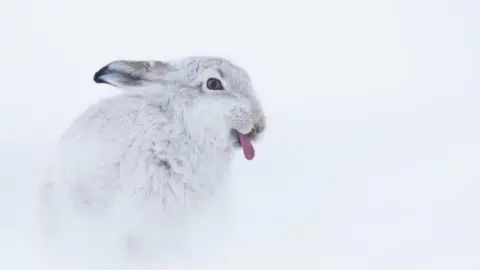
(149, 145)
(148, 161)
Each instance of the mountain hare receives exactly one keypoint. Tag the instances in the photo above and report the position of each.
(151, 157)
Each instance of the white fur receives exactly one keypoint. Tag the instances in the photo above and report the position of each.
(145, 162)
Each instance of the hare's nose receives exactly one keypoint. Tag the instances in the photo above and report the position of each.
(261, 124)
(257, 130)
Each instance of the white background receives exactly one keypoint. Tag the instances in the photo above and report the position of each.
(371, 156)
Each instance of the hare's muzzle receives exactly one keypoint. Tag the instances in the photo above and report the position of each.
(245, 140)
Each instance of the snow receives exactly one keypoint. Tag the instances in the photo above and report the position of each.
(371, 156)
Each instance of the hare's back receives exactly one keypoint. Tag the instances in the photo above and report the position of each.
(109, 129)
(117, 118)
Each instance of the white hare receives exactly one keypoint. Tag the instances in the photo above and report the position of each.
(156, 153)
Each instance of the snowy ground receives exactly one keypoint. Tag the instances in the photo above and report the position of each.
(371, 157)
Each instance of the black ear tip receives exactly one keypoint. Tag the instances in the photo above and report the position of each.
(99, 74)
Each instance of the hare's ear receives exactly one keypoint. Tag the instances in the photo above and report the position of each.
(125, 73)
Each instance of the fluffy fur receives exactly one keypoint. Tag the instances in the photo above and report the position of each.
(156, 154)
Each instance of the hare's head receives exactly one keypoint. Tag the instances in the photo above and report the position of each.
(224, 85)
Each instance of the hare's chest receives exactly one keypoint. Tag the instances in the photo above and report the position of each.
(179, 169)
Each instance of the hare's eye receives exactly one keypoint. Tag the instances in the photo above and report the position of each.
(214, 84)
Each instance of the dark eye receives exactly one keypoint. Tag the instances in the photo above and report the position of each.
(214, 84)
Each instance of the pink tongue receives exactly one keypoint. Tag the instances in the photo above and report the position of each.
(247, 146)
